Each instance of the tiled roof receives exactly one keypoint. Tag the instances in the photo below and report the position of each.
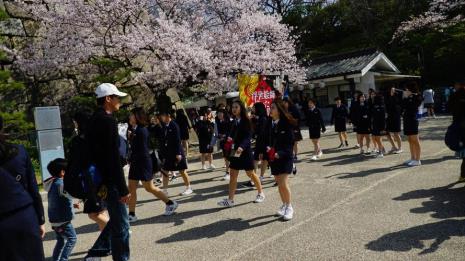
(340, 64)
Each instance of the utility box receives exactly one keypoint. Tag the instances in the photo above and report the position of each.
(49, 136)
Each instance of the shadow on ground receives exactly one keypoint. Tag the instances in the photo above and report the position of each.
(447, 202)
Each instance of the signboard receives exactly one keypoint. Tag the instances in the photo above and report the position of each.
(255, 88)
(49, 136)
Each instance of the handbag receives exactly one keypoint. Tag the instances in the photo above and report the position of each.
(271, 154)
(454, 138)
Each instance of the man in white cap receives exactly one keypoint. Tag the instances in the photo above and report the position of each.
(103, 140)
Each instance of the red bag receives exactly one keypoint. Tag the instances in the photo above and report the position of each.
(271, 154)
(228, 145)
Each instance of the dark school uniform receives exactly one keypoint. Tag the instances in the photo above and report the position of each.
(410, 107)
(362, 118)
(394, 112)
(183, 123)
(378, 126)
(156, 138)
(171, 147)
(315, 123)
(294, 111)
(241, 135)
(141, 167)
(339, 118)
(223, 128)
(21, 209)
(260, 137)
(205, 131)
(281, 138)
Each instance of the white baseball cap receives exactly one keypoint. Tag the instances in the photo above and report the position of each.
(108, 89)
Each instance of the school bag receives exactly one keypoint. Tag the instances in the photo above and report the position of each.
(454, 138)
(82, 179)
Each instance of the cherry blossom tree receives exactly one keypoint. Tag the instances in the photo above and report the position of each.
(162, 43)
(441, 14)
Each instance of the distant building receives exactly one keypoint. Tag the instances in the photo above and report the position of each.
(343, 74)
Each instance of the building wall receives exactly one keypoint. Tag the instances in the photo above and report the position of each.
(366, 82)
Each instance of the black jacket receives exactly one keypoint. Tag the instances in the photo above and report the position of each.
(281, 138)
(241, 133)
(104, 142)
(260, 133)
(339, 114)
(315, 119)
(360, 115)
(393, 106)
(171, 142)
(223, 128)
(140, 155)
(410, 105)
(18, 186)
(205, 131)
(378, 113)
(456, 106)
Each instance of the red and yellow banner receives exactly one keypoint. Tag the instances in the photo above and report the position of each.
(254, 88)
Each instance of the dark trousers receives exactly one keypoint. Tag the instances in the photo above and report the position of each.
(115, 236)
(19, 236)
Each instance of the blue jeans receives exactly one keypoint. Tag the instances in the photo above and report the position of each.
(114, 238)
(64, 233)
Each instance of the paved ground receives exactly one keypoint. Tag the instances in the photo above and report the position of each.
(348, 207)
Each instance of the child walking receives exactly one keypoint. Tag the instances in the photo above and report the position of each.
(60, 210)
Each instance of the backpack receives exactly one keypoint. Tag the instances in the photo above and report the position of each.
(454, 138)
(82, 179)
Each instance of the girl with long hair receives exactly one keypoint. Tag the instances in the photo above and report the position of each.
(410, 103)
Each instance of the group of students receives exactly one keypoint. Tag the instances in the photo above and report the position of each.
(275, 133)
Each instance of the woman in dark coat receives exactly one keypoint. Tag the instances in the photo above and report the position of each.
(141, 165)
(339, 119)
(378, 126)
(294, 111)
(184, 128)
(280, 147)
(456, 106)
(205, 131)
(393, 121)
(21, 210)
(410, 103)
(172, 152)
(259, 123)
(315, 125)
(223, 127)
(239, 146)
(361, 119)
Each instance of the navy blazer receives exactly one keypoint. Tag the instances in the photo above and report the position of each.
(241, 135)
(281, 138)
(18, 186)
(140, 154)
(171, 143)
(315, 119)
(339, 114)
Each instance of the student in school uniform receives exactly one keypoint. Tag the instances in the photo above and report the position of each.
(141, 168)
(411, 101)
(362, 121)
(172, 152)
(280, 149)
(205, 131)
(184, 128)
(339, 119)
(315, 125)
(378, 127)
(393, 121)
(223, 126)
(294, 111)
(238, 145)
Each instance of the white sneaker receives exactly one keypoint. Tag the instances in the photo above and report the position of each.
(407, 162)
(188, 191)
(226, 203)
(320, 154)
(226, 177)
(132, 218)
(399, 151)
(204, 167)
(282, 210)
(93, 258)
(414, 163)
(212, 167)
(289, 213)
(379, 155)
(260, 198)
(392, 151)
(169, 209)
(314, 158)
(357, 146)
(261, 179)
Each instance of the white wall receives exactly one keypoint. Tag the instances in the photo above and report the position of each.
(366, 82)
